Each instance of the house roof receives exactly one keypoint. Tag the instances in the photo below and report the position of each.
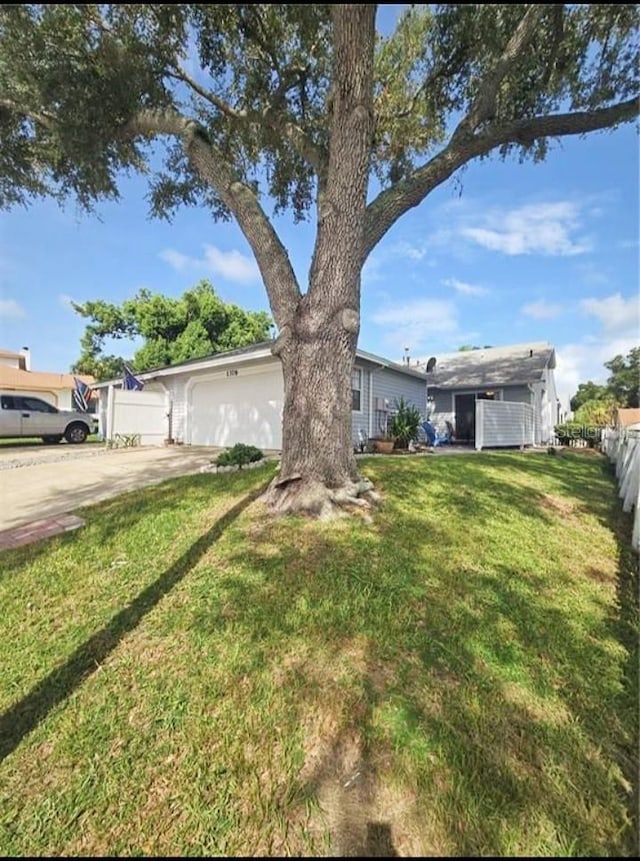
(10, 354)
(393, 366)
(627, 416)
(15, 378)
(517, 364)
(261, 350)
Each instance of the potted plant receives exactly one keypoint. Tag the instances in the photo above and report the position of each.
(383, 444)
(405, 423)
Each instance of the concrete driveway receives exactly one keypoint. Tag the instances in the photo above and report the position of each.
(46, 485)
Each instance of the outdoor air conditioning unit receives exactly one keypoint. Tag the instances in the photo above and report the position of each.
(382, 405)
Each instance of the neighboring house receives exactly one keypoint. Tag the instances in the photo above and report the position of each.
(16, 376)
(521, 373)
(238, 396)
(628, 417)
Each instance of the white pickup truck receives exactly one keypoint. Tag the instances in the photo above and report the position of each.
(27, 416)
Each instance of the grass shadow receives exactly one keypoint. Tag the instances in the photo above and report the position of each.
(21, 718)
(108, 519)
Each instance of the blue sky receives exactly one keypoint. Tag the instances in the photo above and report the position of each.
(501, 254)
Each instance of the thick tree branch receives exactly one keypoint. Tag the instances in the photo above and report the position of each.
(484, 105)
(45, 120)
(271, 116)
(271, 255)
(394, 202)
(224, 107)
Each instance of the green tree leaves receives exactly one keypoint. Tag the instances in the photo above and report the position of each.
(588, 392)
(622, 389)
(258, 80)
(624, 382)
(173, 330)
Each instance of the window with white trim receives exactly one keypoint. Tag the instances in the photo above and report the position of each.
(356, 390)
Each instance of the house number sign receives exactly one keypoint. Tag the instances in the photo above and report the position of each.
(233, 372)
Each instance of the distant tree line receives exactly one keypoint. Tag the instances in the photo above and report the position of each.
(596, 404)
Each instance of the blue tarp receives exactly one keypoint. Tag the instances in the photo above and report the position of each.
(433, 437)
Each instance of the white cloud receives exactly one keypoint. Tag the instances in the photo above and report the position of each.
(541, 310)
(230, 265)
(178, 261)
(415, 324)
(420, 251)
(410, 250)
(464, 288)
(542, 228)
(11, 310)
(583, 361)
(579, 362)
(617, 315)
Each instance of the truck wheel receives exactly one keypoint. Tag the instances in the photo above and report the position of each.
(51, 440)
(76, 433)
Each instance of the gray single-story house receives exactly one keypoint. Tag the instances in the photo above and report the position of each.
(238, 396)
(521, 373)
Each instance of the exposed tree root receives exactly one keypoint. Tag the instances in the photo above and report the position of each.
(297, 495)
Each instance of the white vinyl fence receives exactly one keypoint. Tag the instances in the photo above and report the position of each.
(503, 423)
(622, 447)
(140, 417)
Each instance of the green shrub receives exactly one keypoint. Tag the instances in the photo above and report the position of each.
(404, 425)
(239, 455)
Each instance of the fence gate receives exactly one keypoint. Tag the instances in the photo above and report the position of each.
(140, 415)
(503, 423)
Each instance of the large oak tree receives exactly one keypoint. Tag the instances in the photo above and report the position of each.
(307, 107)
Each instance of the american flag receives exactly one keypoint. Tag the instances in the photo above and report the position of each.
(81, 395)
(130, 381)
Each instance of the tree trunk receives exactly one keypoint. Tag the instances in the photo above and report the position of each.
(317, 344)
(318, 472)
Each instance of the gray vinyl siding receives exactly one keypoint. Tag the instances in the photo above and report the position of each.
(392, 385)
(442, 409)
(443, 401)
(517, 393)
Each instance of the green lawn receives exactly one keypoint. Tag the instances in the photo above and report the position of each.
(184, 676)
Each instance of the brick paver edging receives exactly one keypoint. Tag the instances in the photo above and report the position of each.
(38, 529)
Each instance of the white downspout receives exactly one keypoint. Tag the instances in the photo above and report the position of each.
(535, 389)
(371, 373)
(479, 424)
(168, 405)
(110, 413)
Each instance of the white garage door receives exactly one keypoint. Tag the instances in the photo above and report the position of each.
(246, 408)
